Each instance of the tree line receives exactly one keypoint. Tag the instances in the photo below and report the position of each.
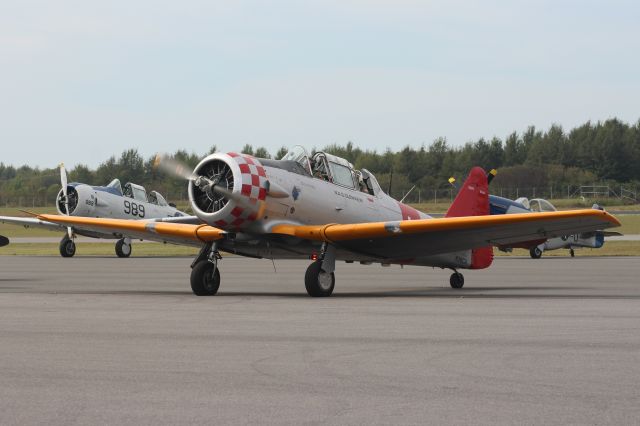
(594, 153)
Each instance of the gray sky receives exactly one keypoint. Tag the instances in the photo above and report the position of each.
(82, 80)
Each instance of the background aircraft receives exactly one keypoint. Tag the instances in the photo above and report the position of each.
(593, 239)
(111, 201)
(320, 208)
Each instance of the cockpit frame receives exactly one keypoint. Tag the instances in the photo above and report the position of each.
(335, 170)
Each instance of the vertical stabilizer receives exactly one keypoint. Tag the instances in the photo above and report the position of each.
(473, 200)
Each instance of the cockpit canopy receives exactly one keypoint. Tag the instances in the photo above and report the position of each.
(137, 192)
(536, 204)
(156, 198)
(115, 184)
(331, 168)
(541, 205)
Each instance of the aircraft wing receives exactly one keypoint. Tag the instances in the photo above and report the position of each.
(389, 240)
(193, 220)
(32, 222)
(176, 233)
(407, 238)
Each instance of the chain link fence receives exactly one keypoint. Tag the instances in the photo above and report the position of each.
(624, 194)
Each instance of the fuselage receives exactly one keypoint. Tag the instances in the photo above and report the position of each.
(107, 202)
(303, 199)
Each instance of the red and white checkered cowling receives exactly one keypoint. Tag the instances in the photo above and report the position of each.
(249, 185)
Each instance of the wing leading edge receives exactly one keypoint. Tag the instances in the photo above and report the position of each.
(398, 239)
(395, 239)
(177, 233)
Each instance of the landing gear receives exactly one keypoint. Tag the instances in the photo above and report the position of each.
(535, 252)
(573, 253)
(123, 247)
(205, 275)
(318, 282)
(205, 279)
(320, 279)
(456, 280)
(67, 247)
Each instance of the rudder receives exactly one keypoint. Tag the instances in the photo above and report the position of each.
(473, 200)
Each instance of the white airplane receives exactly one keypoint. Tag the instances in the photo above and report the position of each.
(320, 208)
(591, 239)
(111, 201)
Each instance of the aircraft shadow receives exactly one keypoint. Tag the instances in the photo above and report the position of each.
(431, 293)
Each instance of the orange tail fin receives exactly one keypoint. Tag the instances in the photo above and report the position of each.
(473, 200)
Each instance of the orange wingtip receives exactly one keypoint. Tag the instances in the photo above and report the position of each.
(204, 233)
(334, 232)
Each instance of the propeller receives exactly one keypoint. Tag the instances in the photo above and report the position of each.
(63, 182)
(173, 167)
(490, 175)
(207, 185)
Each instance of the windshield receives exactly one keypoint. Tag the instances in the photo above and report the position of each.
(115, 184)
(156, 198)
(300, 156)
(139, 193)
(341, 175)
(541, 205)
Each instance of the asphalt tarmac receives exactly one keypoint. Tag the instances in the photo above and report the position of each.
(123, 341)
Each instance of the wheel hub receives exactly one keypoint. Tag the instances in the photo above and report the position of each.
(324, 280)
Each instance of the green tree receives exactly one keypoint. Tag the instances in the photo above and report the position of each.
(247, 149)
(261, 153)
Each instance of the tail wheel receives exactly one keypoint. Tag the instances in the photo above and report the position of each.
(318, 282)
(67, 247)
(456, 280)
(535, 252)
(123, 249)
(205, 281)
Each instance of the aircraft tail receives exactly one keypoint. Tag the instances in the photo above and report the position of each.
(473, 200)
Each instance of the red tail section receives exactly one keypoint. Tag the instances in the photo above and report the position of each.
(473, 200)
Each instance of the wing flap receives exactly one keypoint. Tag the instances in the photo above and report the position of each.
(444, 235)
(179, 233)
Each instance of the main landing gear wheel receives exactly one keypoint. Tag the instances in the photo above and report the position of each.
(205, 278)
(456, 280)
(318, 282)
(123, 249)
(535, 252)
(67, 247)
(573, 253)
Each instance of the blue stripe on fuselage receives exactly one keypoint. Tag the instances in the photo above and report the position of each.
(500, 205)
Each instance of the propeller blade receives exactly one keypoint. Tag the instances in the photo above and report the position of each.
(173, 167)
(63, 182)
(492, 173)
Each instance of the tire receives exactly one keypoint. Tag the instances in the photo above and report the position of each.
(123, 250)
(456, 280)
(535, 252)
(318, 282)
(203, 282)
(67, 247)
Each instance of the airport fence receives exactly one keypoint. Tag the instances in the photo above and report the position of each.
(623, 194)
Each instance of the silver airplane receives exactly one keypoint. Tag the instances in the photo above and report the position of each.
(320, 208)
(111, 201)
(592, 239)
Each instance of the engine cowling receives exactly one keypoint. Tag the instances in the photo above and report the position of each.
(240, 174)
(81, 200)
